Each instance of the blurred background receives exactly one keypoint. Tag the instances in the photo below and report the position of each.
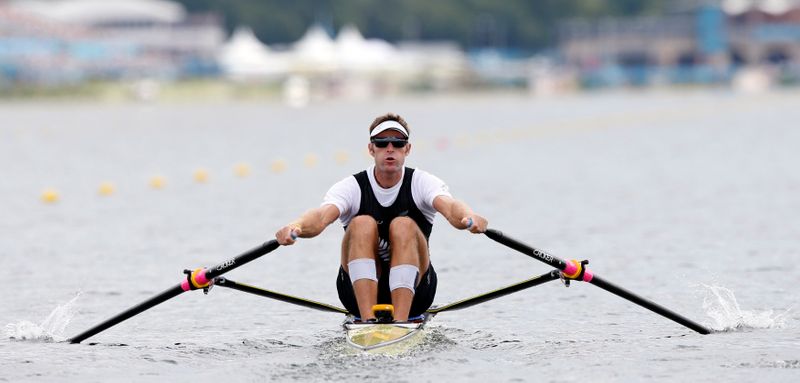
(656, 138)
(301, 51)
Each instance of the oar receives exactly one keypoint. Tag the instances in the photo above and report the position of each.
(197, 279)
(225, 282)
(501, 292)
(577, 270)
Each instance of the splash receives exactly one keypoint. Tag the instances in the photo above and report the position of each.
(720, 304)
(50, 330)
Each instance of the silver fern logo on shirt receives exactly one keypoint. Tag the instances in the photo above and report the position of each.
(384, 249)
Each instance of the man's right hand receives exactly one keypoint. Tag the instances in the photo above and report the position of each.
(288, 234)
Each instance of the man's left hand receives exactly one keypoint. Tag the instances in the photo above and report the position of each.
(475, 223)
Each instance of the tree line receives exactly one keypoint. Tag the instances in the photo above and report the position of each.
(515, 24)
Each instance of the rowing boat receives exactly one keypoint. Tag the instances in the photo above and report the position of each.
(386, 336)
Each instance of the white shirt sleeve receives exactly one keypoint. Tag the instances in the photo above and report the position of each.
(346, 196)
(425, 187)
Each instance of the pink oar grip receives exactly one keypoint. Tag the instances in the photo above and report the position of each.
(200, 278)
(570, 269)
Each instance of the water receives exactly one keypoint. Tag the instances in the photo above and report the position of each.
(689, 199)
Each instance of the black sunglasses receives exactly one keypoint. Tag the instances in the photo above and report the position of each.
(384, 142)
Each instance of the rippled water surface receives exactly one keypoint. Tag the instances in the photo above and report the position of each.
(689, 199)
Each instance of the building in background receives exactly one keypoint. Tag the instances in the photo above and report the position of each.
(705, 42)
(51, 43)
(62, 42)
(68, 41)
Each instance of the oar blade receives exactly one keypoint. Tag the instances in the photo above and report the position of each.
(648, 304)
(148, 304)
(202, 276)
(592, 278)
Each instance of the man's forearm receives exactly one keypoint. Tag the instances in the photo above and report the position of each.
(458, 211)
(311, 223)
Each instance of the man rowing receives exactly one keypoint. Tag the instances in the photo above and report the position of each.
(387, 211)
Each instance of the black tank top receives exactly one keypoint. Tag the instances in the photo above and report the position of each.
(403, 206)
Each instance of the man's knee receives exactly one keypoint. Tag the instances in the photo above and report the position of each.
(403, 227)
(363, 224)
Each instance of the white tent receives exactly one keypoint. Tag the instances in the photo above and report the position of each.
(355, 53)
(315, 51)
(244, 56)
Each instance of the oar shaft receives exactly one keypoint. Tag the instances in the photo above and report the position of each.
(595, 280)
(203, 275)
(650, 305)
(158, 299)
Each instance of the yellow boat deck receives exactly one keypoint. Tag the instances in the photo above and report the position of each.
(391, 338)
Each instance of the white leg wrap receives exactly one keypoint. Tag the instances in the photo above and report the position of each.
(403, 276)
(362, 268)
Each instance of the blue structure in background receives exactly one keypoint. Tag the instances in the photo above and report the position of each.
(697, 45)
(711, 30)
(51, 60)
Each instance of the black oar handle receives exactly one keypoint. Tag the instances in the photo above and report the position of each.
(202, 277)
(525, 249)
(587, 276)
(195, 280)
(571, 270)
(240, 260)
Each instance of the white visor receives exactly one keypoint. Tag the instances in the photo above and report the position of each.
(387, 125)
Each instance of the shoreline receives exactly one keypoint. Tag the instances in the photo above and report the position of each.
(149, 92)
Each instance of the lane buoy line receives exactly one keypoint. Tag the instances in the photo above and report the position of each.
(51, 195)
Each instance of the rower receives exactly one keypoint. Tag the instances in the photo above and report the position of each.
(387, 211)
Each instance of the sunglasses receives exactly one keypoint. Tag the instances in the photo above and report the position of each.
(384, 142)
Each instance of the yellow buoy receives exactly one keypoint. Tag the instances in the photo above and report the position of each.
(311, 160)
(158, 182)
(463, 141)
(278, 166)
(106, 189)
(242, 170)
(50, 195)
(342, 157)
(200, 176)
